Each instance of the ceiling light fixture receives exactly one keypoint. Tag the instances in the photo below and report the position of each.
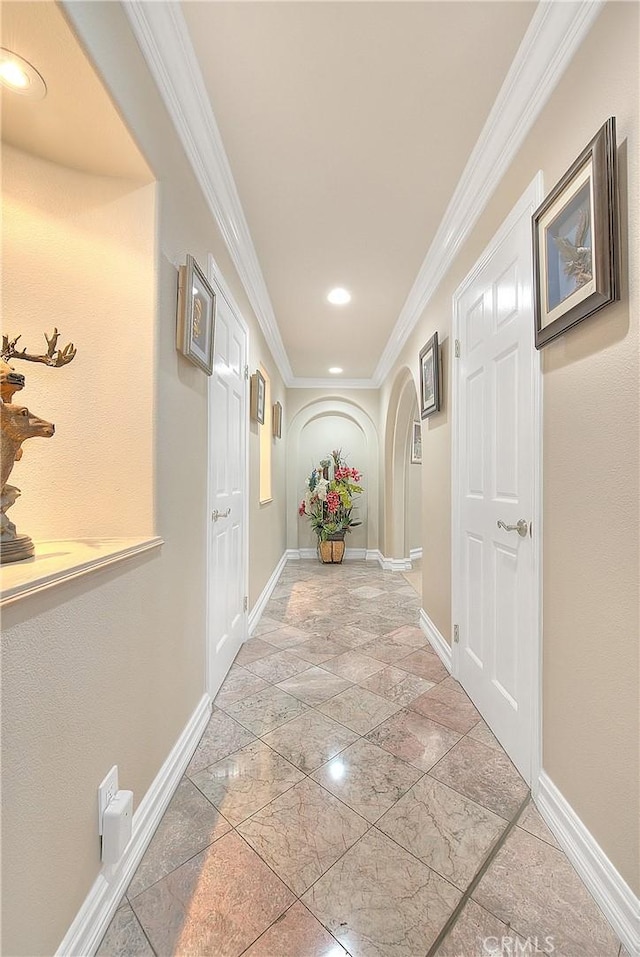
(335, 370)
(339, 296)
(18, 75)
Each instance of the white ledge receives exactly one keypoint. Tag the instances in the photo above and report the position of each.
(61, 561)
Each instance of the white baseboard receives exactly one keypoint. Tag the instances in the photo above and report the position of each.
(612, 894)
(350, 554)
(256, 612)
(415, 554)
(438, 643)
(87, 930)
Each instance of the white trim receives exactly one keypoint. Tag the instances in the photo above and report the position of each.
(256, 612)
(528, 202)
(33, 581)
(163, 37)
(87, 930)
(350, 554)
(552, 38)
(415, 554)
(611, 892)
(439, 644)
(550, 42)
(394, 564)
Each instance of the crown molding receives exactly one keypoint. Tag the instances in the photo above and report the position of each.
(164, 40)
(556, 31)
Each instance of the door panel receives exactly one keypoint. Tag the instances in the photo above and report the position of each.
(496, 585)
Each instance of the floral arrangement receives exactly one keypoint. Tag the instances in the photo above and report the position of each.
(328, 502)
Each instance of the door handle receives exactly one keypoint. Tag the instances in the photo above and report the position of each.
(521, 528)
(215, 515)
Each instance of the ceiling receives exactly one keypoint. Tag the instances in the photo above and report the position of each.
(76, 124)
(347, 127)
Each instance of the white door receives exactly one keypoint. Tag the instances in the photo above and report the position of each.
(496, 603)
(227, 568)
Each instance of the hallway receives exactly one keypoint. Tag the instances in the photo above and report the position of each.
(346, 798)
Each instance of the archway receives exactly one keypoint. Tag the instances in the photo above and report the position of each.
(403, 485)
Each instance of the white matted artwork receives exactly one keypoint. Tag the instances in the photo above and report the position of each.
(416, 443)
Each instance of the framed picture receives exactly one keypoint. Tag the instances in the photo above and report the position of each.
(196, 316)
(257, 397)
(277, 420)
(429, 378)
(575, 241)
(416, 443)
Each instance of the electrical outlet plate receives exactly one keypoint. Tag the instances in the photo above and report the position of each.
(106, 793)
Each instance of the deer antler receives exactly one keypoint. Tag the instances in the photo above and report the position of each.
(53, 357)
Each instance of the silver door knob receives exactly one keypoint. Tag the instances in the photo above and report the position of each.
(521, 528)
(215, 515)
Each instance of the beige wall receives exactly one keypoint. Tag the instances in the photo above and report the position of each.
(591, 439)
(79, 254)
(109, 668)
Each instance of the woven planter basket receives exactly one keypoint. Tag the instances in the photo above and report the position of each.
(331, 552)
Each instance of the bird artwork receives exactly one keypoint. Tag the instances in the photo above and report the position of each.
(576, 256)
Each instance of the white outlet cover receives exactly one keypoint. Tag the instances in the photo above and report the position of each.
(106, 793)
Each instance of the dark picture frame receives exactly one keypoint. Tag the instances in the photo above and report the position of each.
(575, 241)
(276, 419)
(195, 327)
(257, 397)
(416, 443)
(430, 378)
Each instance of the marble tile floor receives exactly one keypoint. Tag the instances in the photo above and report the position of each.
(346, 799)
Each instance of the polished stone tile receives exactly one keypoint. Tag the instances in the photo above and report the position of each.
(246, 781)
(447, 706)
(221, 736)
(533, 887)
(482, 733)
(414, 738)
(411, 635)
(302, 833)
(318, 650)
(277, 667)
(350, 636)
(218, 903)
(531, 821)
(264, 626)
(396, 685)
(484, 775)
(367, 778)
(367, 591)
(188, 825)
(239, 683)
(266, 710)
(476, 933)
(358, 709)
(253, 649)
(388, 649)
(380, 901)
(296, 934)
(354, 666)
(444, 829)
(125, 937)
(314, 685)
(310, 740)
(377, 624)
(425, 663)
(286, 637)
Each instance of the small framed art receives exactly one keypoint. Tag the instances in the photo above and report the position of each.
(257, 397)
(416, 443)
(277, 420)
(196, 316)
(430, 378)
(575, 239)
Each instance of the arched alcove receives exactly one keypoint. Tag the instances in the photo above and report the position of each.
(402, 491)
(316, 429)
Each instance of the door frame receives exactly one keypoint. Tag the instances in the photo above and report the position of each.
(526, 205)
(216, 278)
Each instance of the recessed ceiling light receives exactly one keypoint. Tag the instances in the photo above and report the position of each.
(339, 296)
(20, 76)
(335, 370)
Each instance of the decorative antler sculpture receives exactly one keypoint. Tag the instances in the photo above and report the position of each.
(17, 425)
